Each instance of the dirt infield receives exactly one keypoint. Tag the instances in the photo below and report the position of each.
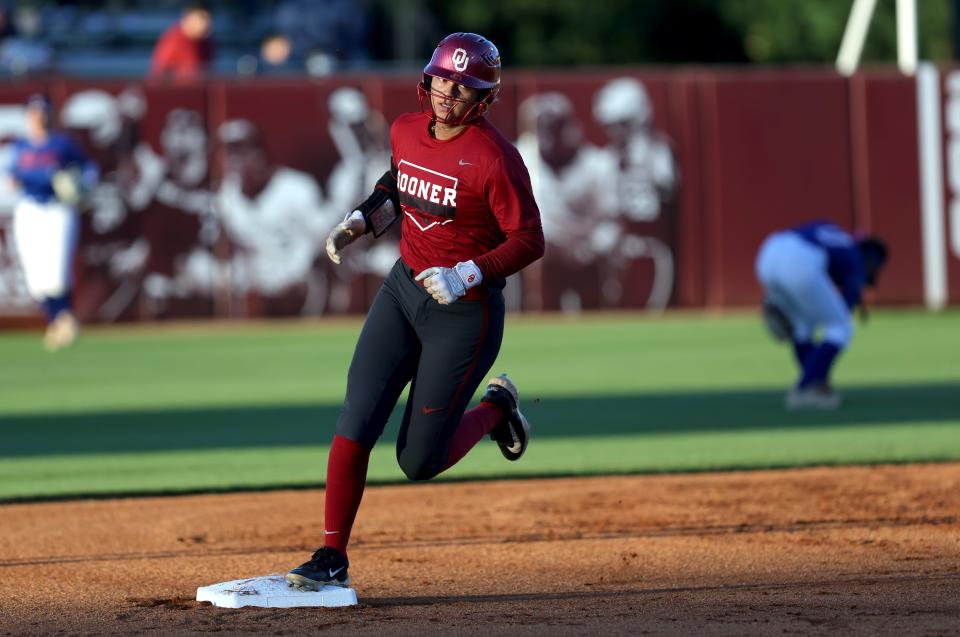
(845, 551)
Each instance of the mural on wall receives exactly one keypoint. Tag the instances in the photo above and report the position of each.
(150, 211)
(273, 219)
(655, 187)
(604, 204)
(361, 136)
(198, 224)
(205, 220)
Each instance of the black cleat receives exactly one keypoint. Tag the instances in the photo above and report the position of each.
(513, 433)
(327, 567)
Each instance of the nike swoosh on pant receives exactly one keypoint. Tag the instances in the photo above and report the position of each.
(432, 410)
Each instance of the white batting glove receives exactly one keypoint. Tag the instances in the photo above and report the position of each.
(346, 232)
(446, 285)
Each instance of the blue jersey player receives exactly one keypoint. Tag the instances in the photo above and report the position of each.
(813, 276)
(50, 171)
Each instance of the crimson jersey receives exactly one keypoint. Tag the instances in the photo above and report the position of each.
(464, 198)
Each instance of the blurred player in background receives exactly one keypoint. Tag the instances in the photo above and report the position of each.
(179, 225)
(469, 221)
(644, 173)
(361, 136)
(151, 212)
(113, 250)
(570, 179)
(52, 173)
(813, 276)
(275, 220)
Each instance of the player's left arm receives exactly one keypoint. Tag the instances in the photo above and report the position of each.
(88, 169)
(78, 174)
(510, 197)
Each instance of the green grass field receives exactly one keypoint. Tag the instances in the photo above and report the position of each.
(186, 408)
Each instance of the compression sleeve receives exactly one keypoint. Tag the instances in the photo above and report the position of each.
(382, 207)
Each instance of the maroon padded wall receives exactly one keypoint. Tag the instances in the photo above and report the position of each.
(753, 151)
(776, 153)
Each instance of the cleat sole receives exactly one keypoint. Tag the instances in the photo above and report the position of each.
(306, 584)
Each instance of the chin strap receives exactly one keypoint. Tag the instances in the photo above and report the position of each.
(475, 112)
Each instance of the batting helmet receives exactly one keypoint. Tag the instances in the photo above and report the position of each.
(467, 59)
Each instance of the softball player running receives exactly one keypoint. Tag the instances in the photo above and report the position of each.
(813, 276)
(50, 171)
(469, 221)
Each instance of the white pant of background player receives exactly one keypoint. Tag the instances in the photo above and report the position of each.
(795, 279)
(45, 236)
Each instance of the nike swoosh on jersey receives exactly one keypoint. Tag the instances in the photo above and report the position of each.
(465, 163)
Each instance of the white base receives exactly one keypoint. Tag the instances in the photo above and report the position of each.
(272, 591)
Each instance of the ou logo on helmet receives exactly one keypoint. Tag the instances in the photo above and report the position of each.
(460, 60)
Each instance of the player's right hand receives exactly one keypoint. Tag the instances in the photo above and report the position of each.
(346, 232)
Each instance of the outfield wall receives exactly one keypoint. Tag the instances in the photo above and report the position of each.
(656, 187)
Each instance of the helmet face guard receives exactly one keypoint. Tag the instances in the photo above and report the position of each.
(476, 109)
(466, 59)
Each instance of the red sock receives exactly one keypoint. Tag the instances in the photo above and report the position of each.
(475, 424)
(346, 478)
